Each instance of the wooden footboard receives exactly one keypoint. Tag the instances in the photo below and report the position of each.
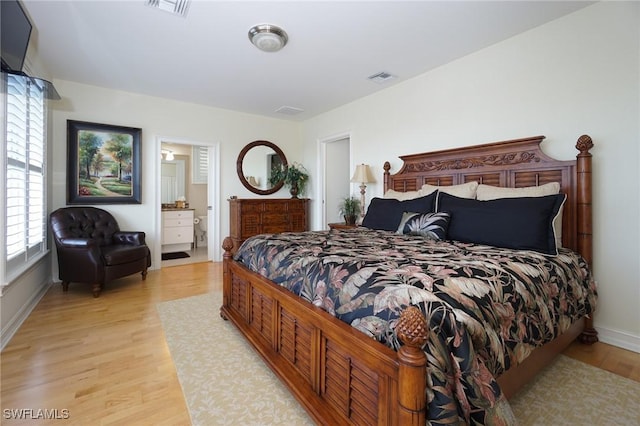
(336, 372)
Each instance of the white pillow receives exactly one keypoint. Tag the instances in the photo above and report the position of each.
(402, 196)
(464, 190)
(488, 192)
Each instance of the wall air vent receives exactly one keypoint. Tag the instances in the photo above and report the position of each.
(381, 77)
(288, 110)
(177, 7)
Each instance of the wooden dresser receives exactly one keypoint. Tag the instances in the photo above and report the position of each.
(253, 216)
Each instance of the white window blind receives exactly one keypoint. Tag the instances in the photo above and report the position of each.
(200, 164)
(25, 216)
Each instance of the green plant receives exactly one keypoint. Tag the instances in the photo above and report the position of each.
(350, 207)
(293, 175)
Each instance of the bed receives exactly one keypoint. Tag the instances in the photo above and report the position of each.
(341, 375)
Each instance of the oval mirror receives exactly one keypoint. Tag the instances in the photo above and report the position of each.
(254, 165)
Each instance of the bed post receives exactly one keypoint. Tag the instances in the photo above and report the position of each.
(412, 376)
(386, 167)
(227, 246)
(585, 220)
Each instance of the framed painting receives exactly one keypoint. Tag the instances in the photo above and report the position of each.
(103, 164)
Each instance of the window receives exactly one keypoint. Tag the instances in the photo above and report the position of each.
(25, 215)
(200, 166)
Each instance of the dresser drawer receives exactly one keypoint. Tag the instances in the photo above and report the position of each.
(177, 235)
(177, 214)
(280, 218)
(177, 223)
(249, 217)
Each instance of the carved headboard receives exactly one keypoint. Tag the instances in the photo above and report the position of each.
(514, 163)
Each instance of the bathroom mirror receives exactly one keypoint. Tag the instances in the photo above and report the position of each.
(172, 183)
(254, 165)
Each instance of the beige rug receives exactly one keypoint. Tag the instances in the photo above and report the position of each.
(207, 352)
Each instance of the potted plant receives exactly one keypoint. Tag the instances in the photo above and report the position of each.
(350, 209)
(294, 176)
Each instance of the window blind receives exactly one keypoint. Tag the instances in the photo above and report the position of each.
(200, 165)
(25, 217)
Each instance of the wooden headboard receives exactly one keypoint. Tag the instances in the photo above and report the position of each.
(514, 163)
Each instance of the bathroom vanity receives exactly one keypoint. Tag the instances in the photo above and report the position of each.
(177, 229)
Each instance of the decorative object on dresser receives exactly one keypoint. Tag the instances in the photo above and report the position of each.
(254, 216)
(257, 160)
(177, 229)
(362, 176)
(295, 176)
(92, 249)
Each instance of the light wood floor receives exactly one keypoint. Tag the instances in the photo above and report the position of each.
(105, 360)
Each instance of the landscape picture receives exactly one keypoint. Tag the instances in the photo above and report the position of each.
(104, 164)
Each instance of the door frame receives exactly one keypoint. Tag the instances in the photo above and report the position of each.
(321, 212)
(213, 191)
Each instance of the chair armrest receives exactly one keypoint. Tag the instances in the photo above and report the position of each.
(131, 238)
(76, 253)
(77, 243)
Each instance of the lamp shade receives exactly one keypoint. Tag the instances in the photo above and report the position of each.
(253, 181)
(362, 174)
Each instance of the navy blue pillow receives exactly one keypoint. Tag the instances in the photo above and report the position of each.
(385, 213)
(519, 223)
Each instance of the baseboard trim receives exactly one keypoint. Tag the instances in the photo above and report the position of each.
(9, 329)
(618, 338)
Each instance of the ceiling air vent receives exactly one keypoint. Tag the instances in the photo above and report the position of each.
(177, 7)
(381, 77)
(288, 110)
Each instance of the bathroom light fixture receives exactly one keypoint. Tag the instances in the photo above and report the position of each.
(168, 154)
(267, 37)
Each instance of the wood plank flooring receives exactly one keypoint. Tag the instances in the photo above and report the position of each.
(106, 361)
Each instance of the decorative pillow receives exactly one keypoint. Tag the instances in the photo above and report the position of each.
(518, 223)
(431, 225)
(488, 192)
(386, 213)
(409, 195)
(464, 190)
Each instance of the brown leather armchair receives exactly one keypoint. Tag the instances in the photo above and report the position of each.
(92, 249)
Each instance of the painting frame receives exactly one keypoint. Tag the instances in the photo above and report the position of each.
(103, 163)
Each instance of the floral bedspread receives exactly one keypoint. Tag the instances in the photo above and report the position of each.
(487, 307)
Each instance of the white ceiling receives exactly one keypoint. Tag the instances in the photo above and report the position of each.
(206, 58)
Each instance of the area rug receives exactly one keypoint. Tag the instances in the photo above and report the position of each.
(175, 255)
(208, 353)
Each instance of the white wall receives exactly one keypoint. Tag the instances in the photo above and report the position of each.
(576, 75)
(158, 117)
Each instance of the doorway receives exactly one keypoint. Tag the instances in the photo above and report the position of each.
(188, 172)
(335, 167)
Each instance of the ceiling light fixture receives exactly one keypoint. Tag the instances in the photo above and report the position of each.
(267, 37)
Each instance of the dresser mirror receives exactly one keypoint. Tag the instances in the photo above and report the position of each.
(254, 165)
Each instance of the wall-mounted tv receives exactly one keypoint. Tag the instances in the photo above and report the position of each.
(14, 36)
